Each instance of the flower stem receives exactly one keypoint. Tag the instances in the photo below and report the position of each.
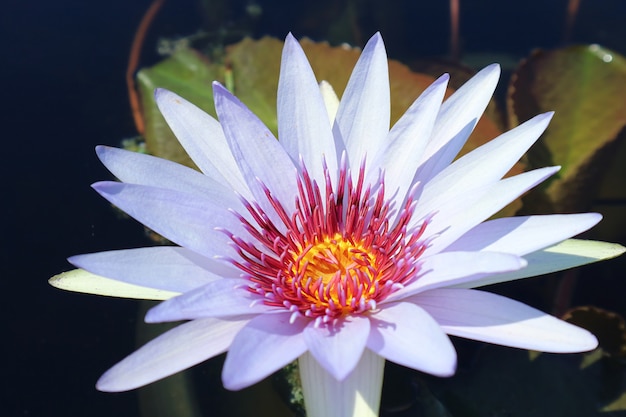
(358, 395)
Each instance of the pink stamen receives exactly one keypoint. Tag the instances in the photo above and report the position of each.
(341, 252)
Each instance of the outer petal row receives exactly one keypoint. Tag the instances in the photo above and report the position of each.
(263, 346)
(405, 334)
(338, 348)
(142, 169)
(174, 351)
(163, 267)
(79, 280)
(567, 254)
(459, 214)
(188, 220)
(524, 234)
(452, 268)
(222, 299)
(495, 319)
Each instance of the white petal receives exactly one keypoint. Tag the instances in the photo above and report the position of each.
(457, 214)
(364, 109)
(257, 152)
(203, 139)
(79, 280)
(178, 349)
(338, 348)
(142, 169)
(303, 125)
(488, 163)
(188, 220)
(163, 267)
(524, 234)
(462, 109)
(265, 345)
(495, 319)
(405, 334)
(568, 254)
(407, 139)
(223, 298)
(450, 268)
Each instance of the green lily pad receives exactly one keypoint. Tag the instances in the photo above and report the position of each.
(586, 86)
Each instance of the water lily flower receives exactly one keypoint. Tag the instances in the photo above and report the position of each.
(341, 244)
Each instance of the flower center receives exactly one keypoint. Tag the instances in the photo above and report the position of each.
(340, 253)
(335, 274)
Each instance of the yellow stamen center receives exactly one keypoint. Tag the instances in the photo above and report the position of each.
(335, 273)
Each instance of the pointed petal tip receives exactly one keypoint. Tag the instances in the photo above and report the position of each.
(74, 260)
(107, 384)
(233, 384)
(99, 185)
(101, 151)
(542, 119)
(594, 218)
(548, 170)
(447, 370)
(161, 94)
(290, 38)
(221, 94)
(376, 41)
(153, 316)
(219, 90)
(168, 102)
(107, 154)
(106, 187)
(338, 373)
(490, 74)
(440, 83)
(576, 340)
(589, 343)
(102, 386)
(495, 67)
